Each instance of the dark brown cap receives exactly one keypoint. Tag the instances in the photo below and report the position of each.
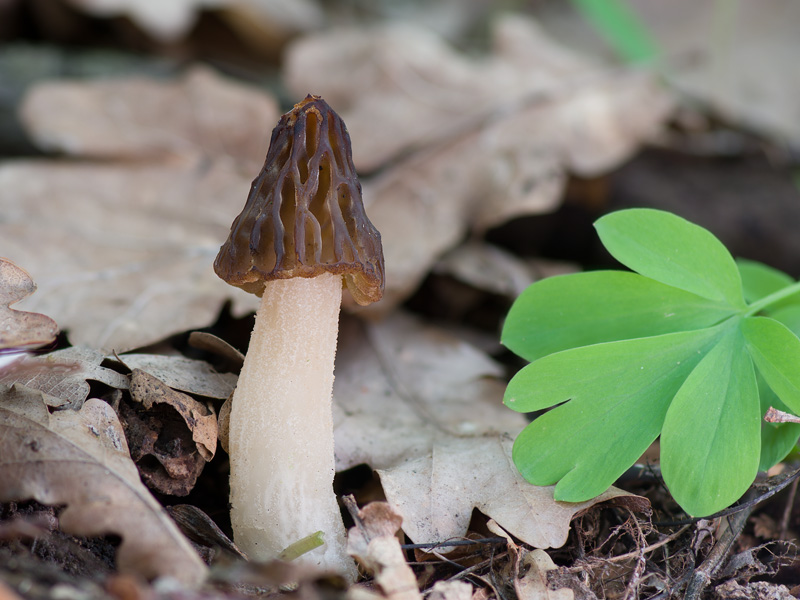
(304, 215)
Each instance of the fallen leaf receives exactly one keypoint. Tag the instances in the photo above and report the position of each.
(200, 114)
(62, 375)
(450, 590)
(467, 144)
(373, 543)
(165, 21)
(184, 374)
(18, 329)
(171, 435)
(142, 235)
(80, 459)
(531, 580)
(425, 410)
(486, 267)
(199, 418)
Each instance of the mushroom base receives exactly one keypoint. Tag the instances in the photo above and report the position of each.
(281, 426)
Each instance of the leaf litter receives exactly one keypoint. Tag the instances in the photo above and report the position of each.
(145, 215)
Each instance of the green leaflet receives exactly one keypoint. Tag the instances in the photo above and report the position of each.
(672, 350)
(580, 309)
(777, 439)
(776, 352)
(711, 440)
(759, 280)
(619, 392)
(671, 250)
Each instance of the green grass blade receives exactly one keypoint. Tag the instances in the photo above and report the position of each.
(776, 352)
(580, 309)
(672, 250)
(620, 27)
(618, 395)
(710, 442)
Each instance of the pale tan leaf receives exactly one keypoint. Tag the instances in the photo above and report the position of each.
(200, 114)
(373, 543)
(425, 410)
(80, 459)
(62, 375)
(185, 374)
(464, 143)
(165, 21)
(486, 267)
(451, 590)
(20, 329)
(122, 253)
(531, 580)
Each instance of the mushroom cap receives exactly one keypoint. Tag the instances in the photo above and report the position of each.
(304, 215)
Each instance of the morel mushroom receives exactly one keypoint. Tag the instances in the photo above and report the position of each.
(302, 230)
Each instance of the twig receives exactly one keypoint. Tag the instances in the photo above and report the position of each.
(787, 511)
(449, 543)
(701, 577)
(782, 482)
(671, 537)
(633, 585)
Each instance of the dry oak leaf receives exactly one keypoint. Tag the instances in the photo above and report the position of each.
(80, 459)
(199, 418)
(185, 374)
(425, 410)
(171, 435)
(467, 144)
(373, 543)
(122, 253)
(18, 329)
(62, 375)
(199, 114)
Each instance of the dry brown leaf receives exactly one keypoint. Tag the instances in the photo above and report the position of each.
(486, 267)
(80, 459)
(165, 21)
(122, 251)
(62, 375)
(483, 141)
(200, 114)
(141, 241)
(530, 582)
(199, 418)
(425, 410)
(450, 590)
(18, 329)
(374, 544)
(184, 374)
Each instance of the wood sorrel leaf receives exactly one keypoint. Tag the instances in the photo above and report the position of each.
(776, 352)
(580, 309)
(710, 442)
(619, 393)
(672, 250)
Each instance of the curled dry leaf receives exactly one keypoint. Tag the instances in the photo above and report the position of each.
(184, 374)
(374, 544)
(199, 418)
(80, 459)
(425, 410)
(171, 435)
(20, 330)
(62, 375)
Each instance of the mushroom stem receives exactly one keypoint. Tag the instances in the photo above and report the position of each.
(281, 425)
